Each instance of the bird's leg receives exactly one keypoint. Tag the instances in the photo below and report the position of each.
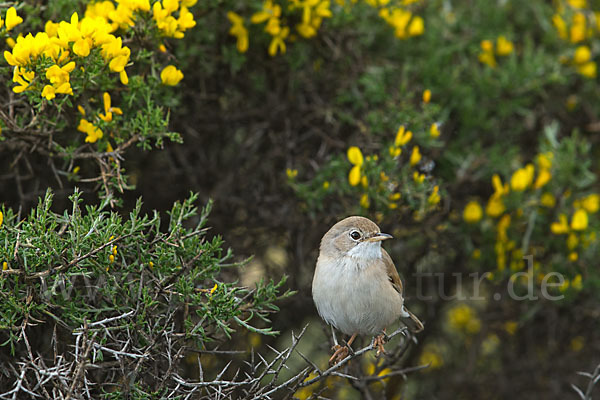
(341, 352)
(378, 343)
(335, 342)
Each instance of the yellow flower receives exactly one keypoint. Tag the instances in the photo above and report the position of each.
(418, 178)
(503, 46)
(354, 176)
(12, 19)
(472, 212)
(511, 327)
(579, 221)
(326, 185)
(170, 75)
(499, 189)
(547, 200)
(416, 26)
(589, 69)
(434, 130)
(582, 55)
(4, 266)
(462, 318)
(560, 25)
(355, 156)
(572, 241)
(402, 137)
(291, 173)
(48, 92)
(214, 288)
(108, 110)
(434, 197)
(364, 201)
(278, 42)
(543, 177)
(93, 132)
(576, 282)
(239, 31)
(495, 206)
(502, 227)
(521, 179)
(426, 96)
(364, 181)
(560, 227)
(1, 218)
(577, 3)
(487, 45)
(415, 156)
(578, 28)
(591, 203)
(395, 151)
(487, 55)
(544, 160)
(81, 47)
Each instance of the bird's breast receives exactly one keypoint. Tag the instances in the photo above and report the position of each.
(355, 295)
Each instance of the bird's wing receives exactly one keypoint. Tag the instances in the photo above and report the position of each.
(392, 272)
(397, 284)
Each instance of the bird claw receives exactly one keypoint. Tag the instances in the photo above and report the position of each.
(378, 343)
(340, 352)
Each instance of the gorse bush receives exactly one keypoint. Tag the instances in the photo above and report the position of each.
(133, 293)
(82, 72)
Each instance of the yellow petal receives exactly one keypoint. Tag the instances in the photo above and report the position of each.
(355, 156)
(354, 175)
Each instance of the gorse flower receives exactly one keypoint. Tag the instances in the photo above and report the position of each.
(426, 96)
(108, 109)
(405, 24)
(170, 75)
(356, 159)
(239, 31)
(313, 12)
(12, 19)
(503, 46)
(462, 318)
(472, 212)
(415, 156)
(434, 130)
(579, 222)
(522, 178)
(93, 132)
(55, 44)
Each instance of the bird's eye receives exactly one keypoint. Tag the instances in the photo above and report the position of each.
(355, 235)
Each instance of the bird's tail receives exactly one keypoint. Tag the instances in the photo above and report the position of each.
(417, 322)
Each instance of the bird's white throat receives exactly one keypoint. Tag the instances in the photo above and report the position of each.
(365, 252)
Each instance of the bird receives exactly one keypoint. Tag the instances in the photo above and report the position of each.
(356, 287)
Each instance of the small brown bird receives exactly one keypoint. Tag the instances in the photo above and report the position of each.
(356, 287)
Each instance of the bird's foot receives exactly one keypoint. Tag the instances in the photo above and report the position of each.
(339, 353)
(378, 343)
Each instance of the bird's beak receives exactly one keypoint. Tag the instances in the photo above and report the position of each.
(379, 237)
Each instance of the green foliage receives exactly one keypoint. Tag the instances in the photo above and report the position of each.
(123, 279)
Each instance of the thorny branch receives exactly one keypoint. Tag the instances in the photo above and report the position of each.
(594, 377)
(74, 375)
